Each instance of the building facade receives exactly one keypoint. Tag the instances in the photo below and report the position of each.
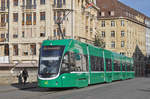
(26, 23)
(124, 31)
(4, 30)
(147, 22)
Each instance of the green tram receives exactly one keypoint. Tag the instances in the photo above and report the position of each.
(71, 63)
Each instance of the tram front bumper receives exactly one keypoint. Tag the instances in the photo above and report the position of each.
(49, 83)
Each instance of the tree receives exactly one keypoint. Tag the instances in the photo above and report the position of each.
(98, 41)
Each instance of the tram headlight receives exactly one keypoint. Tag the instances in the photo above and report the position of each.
(46, 82)
(63, 77)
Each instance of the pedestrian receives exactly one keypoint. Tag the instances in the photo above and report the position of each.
(25, 75)
(19, 76)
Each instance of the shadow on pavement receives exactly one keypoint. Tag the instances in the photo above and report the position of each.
(38, 89)
(34, 88)
(25, 86)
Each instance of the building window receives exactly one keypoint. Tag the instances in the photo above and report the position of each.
(103, 33)
(59, 3)
(54, 2)
(122, 33)
(15, 2)
(55, 17)
(22, 18)
(34, 3)
(29, 3)
(64, 2)
(3, 20)
(42, 1)
(55, 33)
(103, 24)
(3, 5)
(112, 23)
(102, 14)
(64, 32)
(15, 36)
(104, 44)
(122, 43)
(122, 22)
(15, 50)
(22, 34)
(122, 53)
(112, 44)
(91, 30)
(15, 17)
(7, 18)
(112, 33)
(34, 18)
(33, 49)
(2, 35)
(23, 3)
(42, 15)
(112, 13)
(29, 19)
(42, 34)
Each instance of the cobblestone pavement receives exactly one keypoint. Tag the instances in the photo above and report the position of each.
(138, 88)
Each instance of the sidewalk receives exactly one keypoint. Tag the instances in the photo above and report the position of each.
(6, 88)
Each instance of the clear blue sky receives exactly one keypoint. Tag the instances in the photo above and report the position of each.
(140, 5)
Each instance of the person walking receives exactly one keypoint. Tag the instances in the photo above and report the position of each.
(19, 76)
(25, 75)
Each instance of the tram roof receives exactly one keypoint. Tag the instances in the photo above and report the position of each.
(68, 41)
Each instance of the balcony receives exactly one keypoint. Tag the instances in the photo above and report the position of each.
(4, 59)
(3, 9)
(2, 24)
(61, 7)
(3, 39)
(28, 7)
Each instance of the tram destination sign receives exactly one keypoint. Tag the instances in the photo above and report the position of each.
(52, 47)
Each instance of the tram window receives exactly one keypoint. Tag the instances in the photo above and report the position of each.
(108, 65)
(75, 62)
(97, 63)
(78, 62)
(72, 62)
(84, 63)
(132, 67)
(101, 63)
(116, 65)
(65, 63)
(123, 67)
(119, 65)
(87, 62)
(128, 66)
(93, 63)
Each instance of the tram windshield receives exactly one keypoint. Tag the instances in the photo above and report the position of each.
(50, 58)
